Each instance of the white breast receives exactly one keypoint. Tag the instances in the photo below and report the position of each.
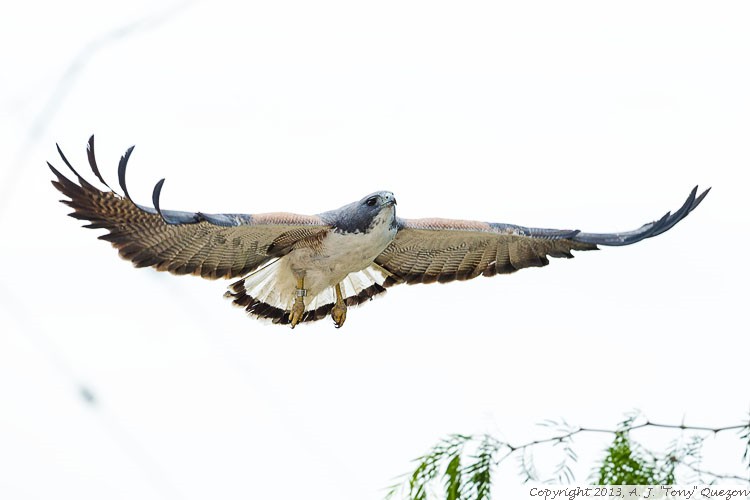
(342, 254)
(343, 258)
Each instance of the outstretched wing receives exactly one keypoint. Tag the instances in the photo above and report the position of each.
(207, 245)
(430, 250)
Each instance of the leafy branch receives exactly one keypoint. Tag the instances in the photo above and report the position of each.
(461, 466)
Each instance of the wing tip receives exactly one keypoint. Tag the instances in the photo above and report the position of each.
(649, 230)
(90, 154)
(156, 197)
(700, 197)
(121, 167)
(54, 170)
(67, 163)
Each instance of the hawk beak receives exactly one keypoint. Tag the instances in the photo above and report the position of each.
(388, 200)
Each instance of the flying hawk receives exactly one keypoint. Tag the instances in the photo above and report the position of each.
(294, 268)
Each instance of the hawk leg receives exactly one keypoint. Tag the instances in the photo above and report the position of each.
(338, 313)
(298, 309)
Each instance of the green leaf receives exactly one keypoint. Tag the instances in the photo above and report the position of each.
(453, 478)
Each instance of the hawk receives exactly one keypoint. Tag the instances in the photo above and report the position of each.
(294, 268)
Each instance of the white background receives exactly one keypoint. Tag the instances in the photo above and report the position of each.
(598, 116)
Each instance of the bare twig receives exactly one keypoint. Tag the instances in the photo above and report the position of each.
(568, 435)
(502, 450)
(723, 477)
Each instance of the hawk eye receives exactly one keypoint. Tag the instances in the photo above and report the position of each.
(371, 201)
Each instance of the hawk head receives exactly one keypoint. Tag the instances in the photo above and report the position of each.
(361, 216)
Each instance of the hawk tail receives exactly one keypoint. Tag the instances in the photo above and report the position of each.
(259, 295)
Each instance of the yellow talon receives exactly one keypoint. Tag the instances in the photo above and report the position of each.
(298, 309)
(338, 313)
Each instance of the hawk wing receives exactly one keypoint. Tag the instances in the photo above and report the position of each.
(443, 250)
(207, 245)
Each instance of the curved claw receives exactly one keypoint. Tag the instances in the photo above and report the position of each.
(298, 310)
(338, 313)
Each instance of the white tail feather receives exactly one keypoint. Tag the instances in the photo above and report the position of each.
(264, 285)
(261, 285)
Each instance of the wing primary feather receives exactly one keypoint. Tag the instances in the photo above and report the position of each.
(678, 215)
(699, 199)
(121, 172)
(649, 230)
(685, 209)
(171, 217)
(64, 159)
(92, 162)
(155, 198)
(57, 173)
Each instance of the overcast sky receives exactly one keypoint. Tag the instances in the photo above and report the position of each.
(597, 116)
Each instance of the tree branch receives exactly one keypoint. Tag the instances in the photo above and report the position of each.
(626, 460)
